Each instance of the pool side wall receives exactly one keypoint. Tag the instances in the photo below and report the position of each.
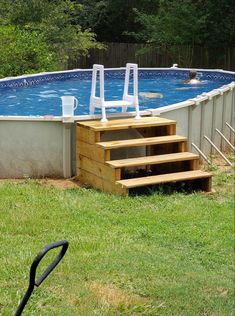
(201, 116)
(35, 149)
(45, 147)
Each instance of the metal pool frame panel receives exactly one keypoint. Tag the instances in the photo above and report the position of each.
(35, 147)
(200, 118)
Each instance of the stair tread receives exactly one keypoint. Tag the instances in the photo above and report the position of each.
(141, 141)
(149, 160)
(170, 177)
(118, 124)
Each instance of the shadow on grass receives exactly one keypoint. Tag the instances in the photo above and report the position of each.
(168, 189)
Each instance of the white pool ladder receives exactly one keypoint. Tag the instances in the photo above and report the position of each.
(127, 99)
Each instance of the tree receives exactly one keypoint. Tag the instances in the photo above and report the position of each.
(114, 20)
(219, 28)
(174, 24)
(55, 22)
(208, 23)
(23, 52)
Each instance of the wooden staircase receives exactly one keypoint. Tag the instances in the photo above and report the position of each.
(123, 154)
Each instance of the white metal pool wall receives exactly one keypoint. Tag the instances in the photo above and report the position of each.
(36, 148)
(45, 147)
(201, 118)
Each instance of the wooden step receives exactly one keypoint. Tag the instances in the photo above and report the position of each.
(119, 124)
(166, 178)
(142, 141)
(152, 160)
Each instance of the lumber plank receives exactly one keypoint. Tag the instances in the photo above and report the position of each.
(152, 160)
(142, 141)
(98, 169)
(101, 184)
(171, 129)
(87, 135)
(207, 185)
(118, 124)
(92, 152)
(165, 178)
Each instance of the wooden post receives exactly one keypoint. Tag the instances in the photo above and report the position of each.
(206, 184)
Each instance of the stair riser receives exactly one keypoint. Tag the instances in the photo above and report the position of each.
(158, 169)
(151, 150)
(89, 136)
(168, 178)
(191, 185)
(205, 183)
(157, 131)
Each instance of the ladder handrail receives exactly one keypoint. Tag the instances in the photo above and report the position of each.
(127, 100)
(134, 68)
(97, 68)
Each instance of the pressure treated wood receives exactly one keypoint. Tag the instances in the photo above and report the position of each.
(87, 136)
(165, 178)
(94, 181)
(92, 152)
(142, 142)
(126, 123)
(152, 160)
(100, 169)
(95, 167)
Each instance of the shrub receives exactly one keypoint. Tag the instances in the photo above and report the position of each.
(23, 51)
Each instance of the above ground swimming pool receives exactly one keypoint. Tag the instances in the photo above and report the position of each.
(40, 95)
(37, 141)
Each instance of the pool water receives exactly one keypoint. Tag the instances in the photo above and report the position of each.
(44, 99)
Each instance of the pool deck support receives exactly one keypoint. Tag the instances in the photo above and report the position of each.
(225, 139)
(201, 117)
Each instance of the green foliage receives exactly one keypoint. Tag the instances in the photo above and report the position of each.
(219, 28)
(173, 25)
(207, 23)
(113, 20)
(55, 23)
(23, 52)
(68, 28)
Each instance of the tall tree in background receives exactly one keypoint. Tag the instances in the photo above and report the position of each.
(114, 20)
(67, 29)
(28, 24)
(219, 22)
(209, 23)
(174, 25)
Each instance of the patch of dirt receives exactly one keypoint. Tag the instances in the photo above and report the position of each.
(12, 180)
(219, 165)
(62, 184)
(111, 295)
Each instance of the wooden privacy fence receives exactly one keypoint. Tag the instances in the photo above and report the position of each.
(118, 54)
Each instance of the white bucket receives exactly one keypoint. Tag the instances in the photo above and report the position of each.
(69, 104)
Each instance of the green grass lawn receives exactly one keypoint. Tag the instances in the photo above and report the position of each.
(144, 255)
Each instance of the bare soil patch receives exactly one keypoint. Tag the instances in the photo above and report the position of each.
(111, 295)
